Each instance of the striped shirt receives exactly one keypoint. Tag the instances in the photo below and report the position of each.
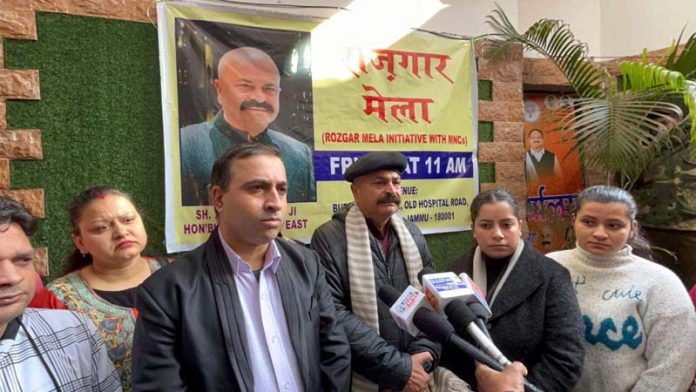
(70, 347)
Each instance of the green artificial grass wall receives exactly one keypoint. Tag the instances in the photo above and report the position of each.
(101, 123)
(100, 118)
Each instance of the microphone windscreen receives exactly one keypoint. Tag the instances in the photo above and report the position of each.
(425, 271)
(388, 295)
(459, 315)
(478, 309)
(433, 325)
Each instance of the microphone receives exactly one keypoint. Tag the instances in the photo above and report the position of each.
(477, 303)
(463, 320)
(445, 290)
(442, 288)
(438, 329)
(404, 306)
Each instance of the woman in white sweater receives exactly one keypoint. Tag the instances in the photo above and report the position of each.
(640, 326)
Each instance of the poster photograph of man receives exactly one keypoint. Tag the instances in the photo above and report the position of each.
(240, 84)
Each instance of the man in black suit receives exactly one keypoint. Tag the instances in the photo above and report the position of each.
(244, 311)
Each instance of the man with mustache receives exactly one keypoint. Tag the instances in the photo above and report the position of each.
(244, 311)
(40, 349)
(363, 248)
(248, 90)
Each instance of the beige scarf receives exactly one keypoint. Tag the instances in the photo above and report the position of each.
(361, 278)
(481, 278)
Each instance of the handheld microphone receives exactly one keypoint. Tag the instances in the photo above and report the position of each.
(437, 328)
(445, 290)
(433, 326)
(404, 306)
(463, 320)
(442, 288)
(477, 303)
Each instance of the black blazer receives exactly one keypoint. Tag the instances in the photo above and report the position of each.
(536, 320)
(190, 332)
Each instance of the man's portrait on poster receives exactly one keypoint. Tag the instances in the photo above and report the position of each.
(540, 163)
(239, 84)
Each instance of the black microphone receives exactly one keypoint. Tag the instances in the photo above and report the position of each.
(433, 326)
(477, 309)
(477, 303)
(437, 328)
(464, 321)
(403, 307)
(425, 271)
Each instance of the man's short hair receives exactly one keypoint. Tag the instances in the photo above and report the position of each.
(222, 168)
(536, 130)
(13, 212)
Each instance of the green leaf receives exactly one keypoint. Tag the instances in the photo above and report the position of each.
(642, 76)
(683, 61)
(622, 133)
(554, 40)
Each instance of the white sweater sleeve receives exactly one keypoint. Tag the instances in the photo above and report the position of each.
(670, 328)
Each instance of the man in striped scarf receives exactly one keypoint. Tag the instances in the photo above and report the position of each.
(363, 248)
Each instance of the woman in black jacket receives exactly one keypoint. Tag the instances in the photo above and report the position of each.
(536, 319)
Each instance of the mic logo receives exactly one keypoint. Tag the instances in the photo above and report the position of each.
(407, 302)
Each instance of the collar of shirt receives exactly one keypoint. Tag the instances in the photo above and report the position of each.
(538, 154)
(237, 134)
(12, 328)
(271, 259)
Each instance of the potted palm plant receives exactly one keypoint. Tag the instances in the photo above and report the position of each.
(636, 127)
(620, 124)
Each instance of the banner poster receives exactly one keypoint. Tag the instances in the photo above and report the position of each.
(554, 175)
(324, 93)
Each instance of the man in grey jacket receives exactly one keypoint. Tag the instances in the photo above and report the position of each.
(383, 355)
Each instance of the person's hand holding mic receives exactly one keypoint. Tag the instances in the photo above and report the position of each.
(511, 379)
(420, 377)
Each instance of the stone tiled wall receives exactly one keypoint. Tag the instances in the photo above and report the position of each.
(18, 15)
(18, 21)
(505, 111)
